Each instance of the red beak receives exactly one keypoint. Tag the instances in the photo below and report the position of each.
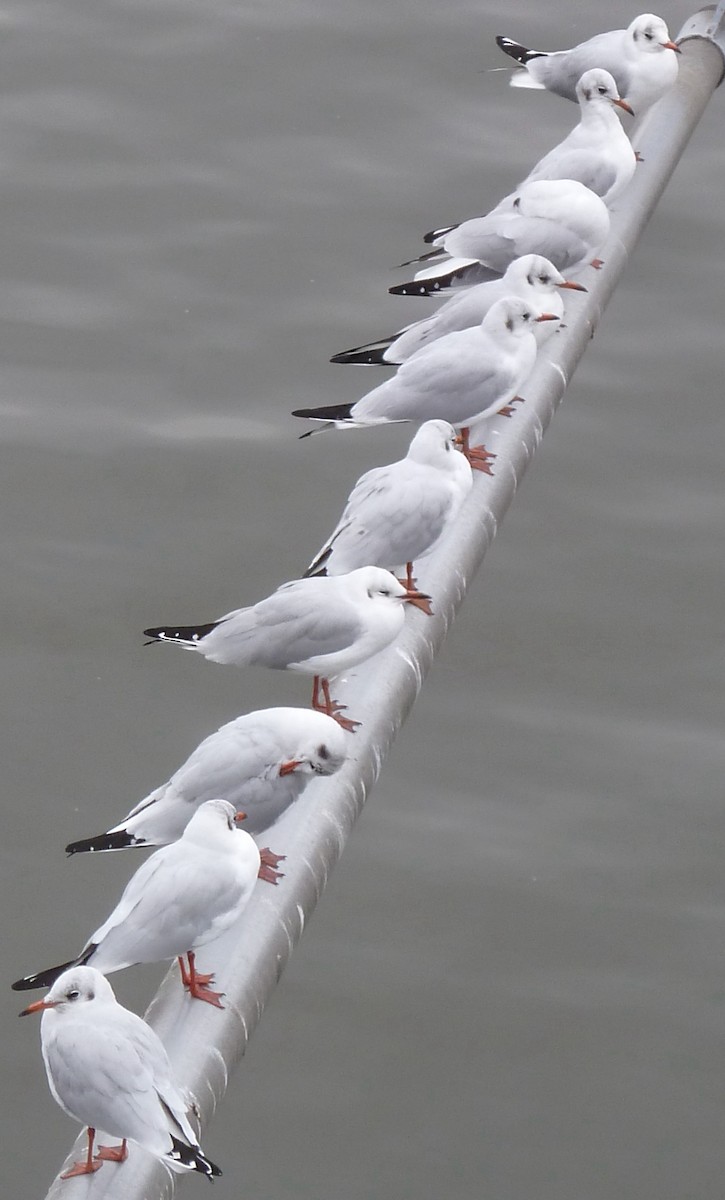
(288, 767)
(623, 104)
(38, 1006)
(574, 287)
(239, 817)
(548, 317)
(671, 46)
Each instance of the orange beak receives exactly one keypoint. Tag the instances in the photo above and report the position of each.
(574, 287)
(239, 817)
(38, 1006)
(671, 46)
(623, 104)
(288, 767)
(547, 317)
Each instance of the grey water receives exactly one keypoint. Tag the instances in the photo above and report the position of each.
(515, 982)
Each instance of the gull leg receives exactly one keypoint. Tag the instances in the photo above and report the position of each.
(268, 869)
(197, 984)
(328, 706)
(478, 456)
(411, 584)
(117, 1154)
(86, 1166)
(508, 410)
(597, 263)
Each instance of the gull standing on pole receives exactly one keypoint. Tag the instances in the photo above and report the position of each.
(261, 763)
(532, 277)
(597, 152)
(558, 218)
(397, 513)
(184, 896)
(319, 626)
(109, 1070)
(642, 58)
(461, 378)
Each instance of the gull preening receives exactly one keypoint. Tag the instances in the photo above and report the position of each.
(398, 513)
(597, 152)
(182, 897)
(558, 218)
(319, 626)
(261, 763)
(108, 1069)
(460, 378)
(532, 278)
(642, 59)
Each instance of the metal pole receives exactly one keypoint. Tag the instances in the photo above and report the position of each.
(204, 1043)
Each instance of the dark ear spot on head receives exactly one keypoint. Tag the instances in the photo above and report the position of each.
(510, 325)
(323, 751)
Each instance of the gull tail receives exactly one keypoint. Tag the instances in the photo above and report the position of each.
(46, 979)
(372, 354)
(518, 52)
(183, 635)
(191, 1158)
(117, 839)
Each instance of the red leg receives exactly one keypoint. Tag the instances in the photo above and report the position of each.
(597, 263)
(478, 456)
(117, 1154)
(508, 410)
(197, 984)
(330, 707)
(411, 584)
(268, 869)
(86, 1166)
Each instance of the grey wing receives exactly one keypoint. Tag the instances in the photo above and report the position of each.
(597, 173)
(104, 1075)
(295, 625)
(560, 72)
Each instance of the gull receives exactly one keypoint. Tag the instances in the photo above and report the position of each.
(532, 277)
(463, 376)
(317, 626)
(558, 218)
(398, 513)
(184, 896)
(639, 57)
(108, 1069)
(261, 763)
(597, 152)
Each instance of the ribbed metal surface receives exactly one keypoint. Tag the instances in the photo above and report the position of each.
(204, 1044)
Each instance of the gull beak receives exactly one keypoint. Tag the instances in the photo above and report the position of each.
(547, 317)
(288, 767)
(574, 287)
(38, 1006)
(671, 46)
(419, 600)
(623, 104)
(239, 817)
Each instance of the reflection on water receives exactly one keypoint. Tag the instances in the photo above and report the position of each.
(515, 978)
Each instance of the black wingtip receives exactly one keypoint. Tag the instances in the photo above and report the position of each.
(46, 979)
(192, 1157)
(330, 412)
(180, 633)
(117, 840)
(412, 288)
(372, 355)
(518, 52)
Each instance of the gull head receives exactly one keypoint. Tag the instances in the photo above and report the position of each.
(379, 586)
(432, 443)
(650, 34)
(315, 756)
(513, 317)
(597, 87)
(79, 985)
(212, 818)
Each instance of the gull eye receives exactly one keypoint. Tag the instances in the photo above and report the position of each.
(526, 316)
(545, 278)
(602, 90)
(648, 35)
(73, 994)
